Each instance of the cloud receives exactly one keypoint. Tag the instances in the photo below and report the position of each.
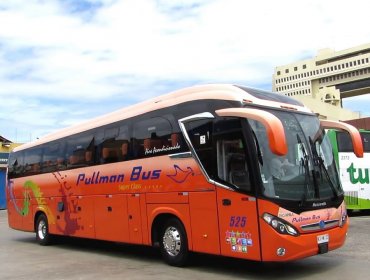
(69, 60)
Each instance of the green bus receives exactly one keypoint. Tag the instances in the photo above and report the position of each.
(353, 171)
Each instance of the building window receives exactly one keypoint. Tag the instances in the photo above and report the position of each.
(295, 68)
(286, 70)
(278, 72)
(304, 66)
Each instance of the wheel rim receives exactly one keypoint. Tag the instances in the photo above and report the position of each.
(172, 241)
(41, 229)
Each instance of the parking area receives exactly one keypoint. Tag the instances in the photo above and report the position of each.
(72, 258)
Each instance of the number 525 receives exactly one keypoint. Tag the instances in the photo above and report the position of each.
(238, 221)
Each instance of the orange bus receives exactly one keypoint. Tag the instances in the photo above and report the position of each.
(218, 169)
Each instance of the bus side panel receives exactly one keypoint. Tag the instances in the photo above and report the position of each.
(354, 176)
(15, 219)
(111, 218)
(238, 222)
(144, 220)
(81, 211)
(19, 204)
(134, 219)
(204, 222)
(181, 211)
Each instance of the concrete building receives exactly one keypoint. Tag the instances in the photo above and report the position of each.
(6, 147)
(323, 81)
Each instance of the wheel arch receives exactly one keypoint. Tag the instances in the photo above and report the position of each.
(38, 213)
(158, 218)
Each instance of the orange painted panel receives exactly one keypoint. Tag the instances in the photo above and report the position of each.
(239, 234)
(144, 220)
(171, 197)
(81, 213)
(306, 243)
(15, 219)
(204, 222)
(111, 218)
(134, 219)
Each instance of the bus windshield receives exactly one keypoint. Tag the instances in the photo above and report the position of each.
(308, 171)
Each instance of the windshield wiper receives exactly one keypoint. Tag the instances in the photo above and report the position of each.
(318, 161)
(304, 164)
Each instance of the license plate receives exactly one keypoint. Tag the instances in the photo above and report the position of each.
(323, 238)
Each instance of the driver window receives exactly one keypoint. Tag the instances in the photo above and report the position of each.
(231, 157)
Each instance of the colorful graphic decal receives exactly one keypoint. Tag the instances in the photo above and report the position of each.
(239, 241)
(29, 188)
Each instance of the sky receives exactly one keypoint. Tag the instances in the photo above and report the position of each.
(66, 61)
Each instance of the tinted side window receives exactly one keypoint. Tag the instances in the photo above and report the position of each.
(200, 134)
(344, 142)
(53, 156)
(32, 161)
(366, 141)
(154, 137)
(80, 150)
(232, 161)
(115, 145)
(16, 164)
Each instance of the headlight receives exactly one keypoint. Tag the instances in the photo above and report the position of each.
(279, 225)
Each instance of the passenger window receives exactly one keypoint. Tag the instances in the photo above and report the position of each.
(116, 144)
(16, 164)
(32, 161)
(153, 137)
(80, 150)
(53, 157)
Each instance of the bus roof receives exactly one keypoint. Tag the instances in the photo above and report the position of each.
(228, 92)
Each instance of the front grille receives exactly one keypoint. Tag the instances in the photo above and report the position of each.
(320, 225)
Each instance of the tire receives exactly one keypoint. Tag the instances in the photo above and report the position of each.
(43, 237)
(174, 243)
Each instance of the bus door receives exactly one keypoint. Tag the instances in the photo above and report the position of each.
(237, 206)
(218, 146)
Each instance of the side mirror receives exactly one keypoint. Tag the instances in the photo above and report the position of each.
(274, 127)
(358, 148)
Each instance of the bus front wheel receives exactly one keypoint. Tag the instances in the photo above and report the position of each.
(43, 236)
(174, 243)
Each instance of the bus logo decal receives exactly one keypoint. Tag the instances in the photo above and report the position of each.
(96, 178)
(181, 175)
(322, 224)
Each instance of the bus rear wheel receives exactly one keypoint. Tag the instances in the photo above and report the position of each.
(43, 236)
(174, 243)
